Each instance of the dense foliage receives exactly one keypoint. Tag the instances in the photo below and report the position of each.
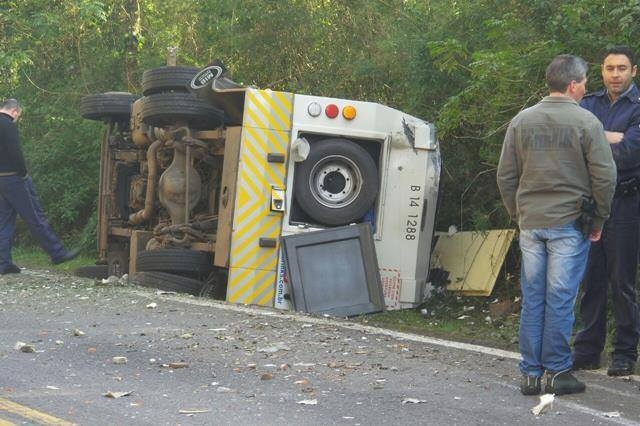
(467, 65)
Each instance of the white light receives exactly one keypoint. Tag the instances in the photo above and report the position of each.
(314, 109)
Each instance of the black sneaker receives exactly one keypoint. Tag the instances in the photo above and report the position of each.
(562, 383)
(67, 256)
(585, 364)
(621, 367)
(12, 269)
(530, 385)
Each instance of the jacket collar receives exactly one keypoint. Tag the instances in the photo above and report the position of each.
(632, 94)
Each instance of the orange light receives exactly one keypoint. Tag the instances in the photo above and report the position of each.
(331, 111)
(349, 112)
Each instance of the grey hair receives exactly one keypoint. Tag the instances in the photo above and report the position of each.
(10, 104)
(563, 70)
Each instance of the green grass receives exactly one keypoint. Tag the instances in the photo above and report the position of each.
(35, 258)
(453, 317)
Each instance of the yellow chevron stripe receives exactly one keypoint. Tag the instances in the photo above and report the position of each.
(245, 282)
(261, 279)
(286, 101)
(255, 120)
(269, 112)
(251, 238)
(267, 122)
(275, 171)
(269, 292)
(269, 109)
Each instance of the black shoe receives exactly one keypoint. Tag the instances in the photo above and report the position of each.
(530, 385)
(562, 383)
(621, 367)
(585, 364)
(12, 269)
(67, 256)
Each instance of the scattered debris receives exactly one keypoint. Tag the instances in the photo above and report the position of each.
(308, 402)
(503, 308)
(546, 403)
(110, 280)
(77, 332)
(611, 414)
(152, 305)
(52, 387)
(23, 347)
(119, 360)
(176, 365)
(186, 336)
(194, 411)
(267, 376)
(413, 401)
(111, 394)
(275, 348)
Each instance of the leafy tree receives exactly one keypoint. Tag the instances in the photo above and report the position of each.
(468, 66)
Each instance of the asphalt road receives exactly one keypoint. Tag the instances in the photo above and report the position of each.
(181, 360)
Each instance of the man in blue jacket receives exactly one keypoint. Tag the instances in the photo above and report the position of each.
(613, 260)
(18, 196)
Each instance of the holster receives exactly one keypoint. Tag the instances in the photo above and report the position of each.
(627, 187)
(587, 206)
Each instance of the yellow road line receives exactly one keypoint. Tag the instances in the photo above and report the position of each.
(6, 423)
(31, 414)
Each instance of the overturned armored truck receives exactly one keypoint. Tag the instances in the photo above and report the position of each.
(201, 177)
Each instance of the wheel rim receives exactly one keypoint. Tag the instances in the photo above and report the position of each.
(335, 181)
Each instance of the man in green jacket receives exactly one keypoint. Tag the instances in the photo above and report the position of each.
(554, 156)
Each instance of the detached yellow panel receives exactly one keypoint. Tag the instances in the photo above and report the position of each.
(473, 259)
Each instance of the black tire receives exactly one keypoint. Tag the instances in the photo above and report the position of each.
(168, 282)
(105, 106)
(178, 261)
(337, 183)
(166, 79)
(166, 109)
(92, 271)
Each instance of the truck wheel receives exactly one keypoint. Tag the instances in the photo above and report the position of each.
(110, 105)
(168, 282)
(170, 108)
(178, 261)
(92, 271)
(337, 183)
(166, 79)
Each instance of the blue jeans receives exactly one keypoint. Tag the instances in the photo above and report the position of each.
(18, 196)
(553, 263)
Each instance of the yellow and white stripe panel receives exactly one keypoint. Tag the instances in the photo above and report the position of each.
(266, 132)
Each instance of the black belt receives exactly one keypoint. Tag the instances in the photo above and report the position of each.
(627, 187)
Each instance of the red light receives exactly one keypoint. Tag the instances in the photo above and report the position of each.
(331, 111)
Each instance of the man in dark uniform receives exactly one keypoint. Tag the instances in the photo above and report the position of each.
(18, 196)
(613, 260)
